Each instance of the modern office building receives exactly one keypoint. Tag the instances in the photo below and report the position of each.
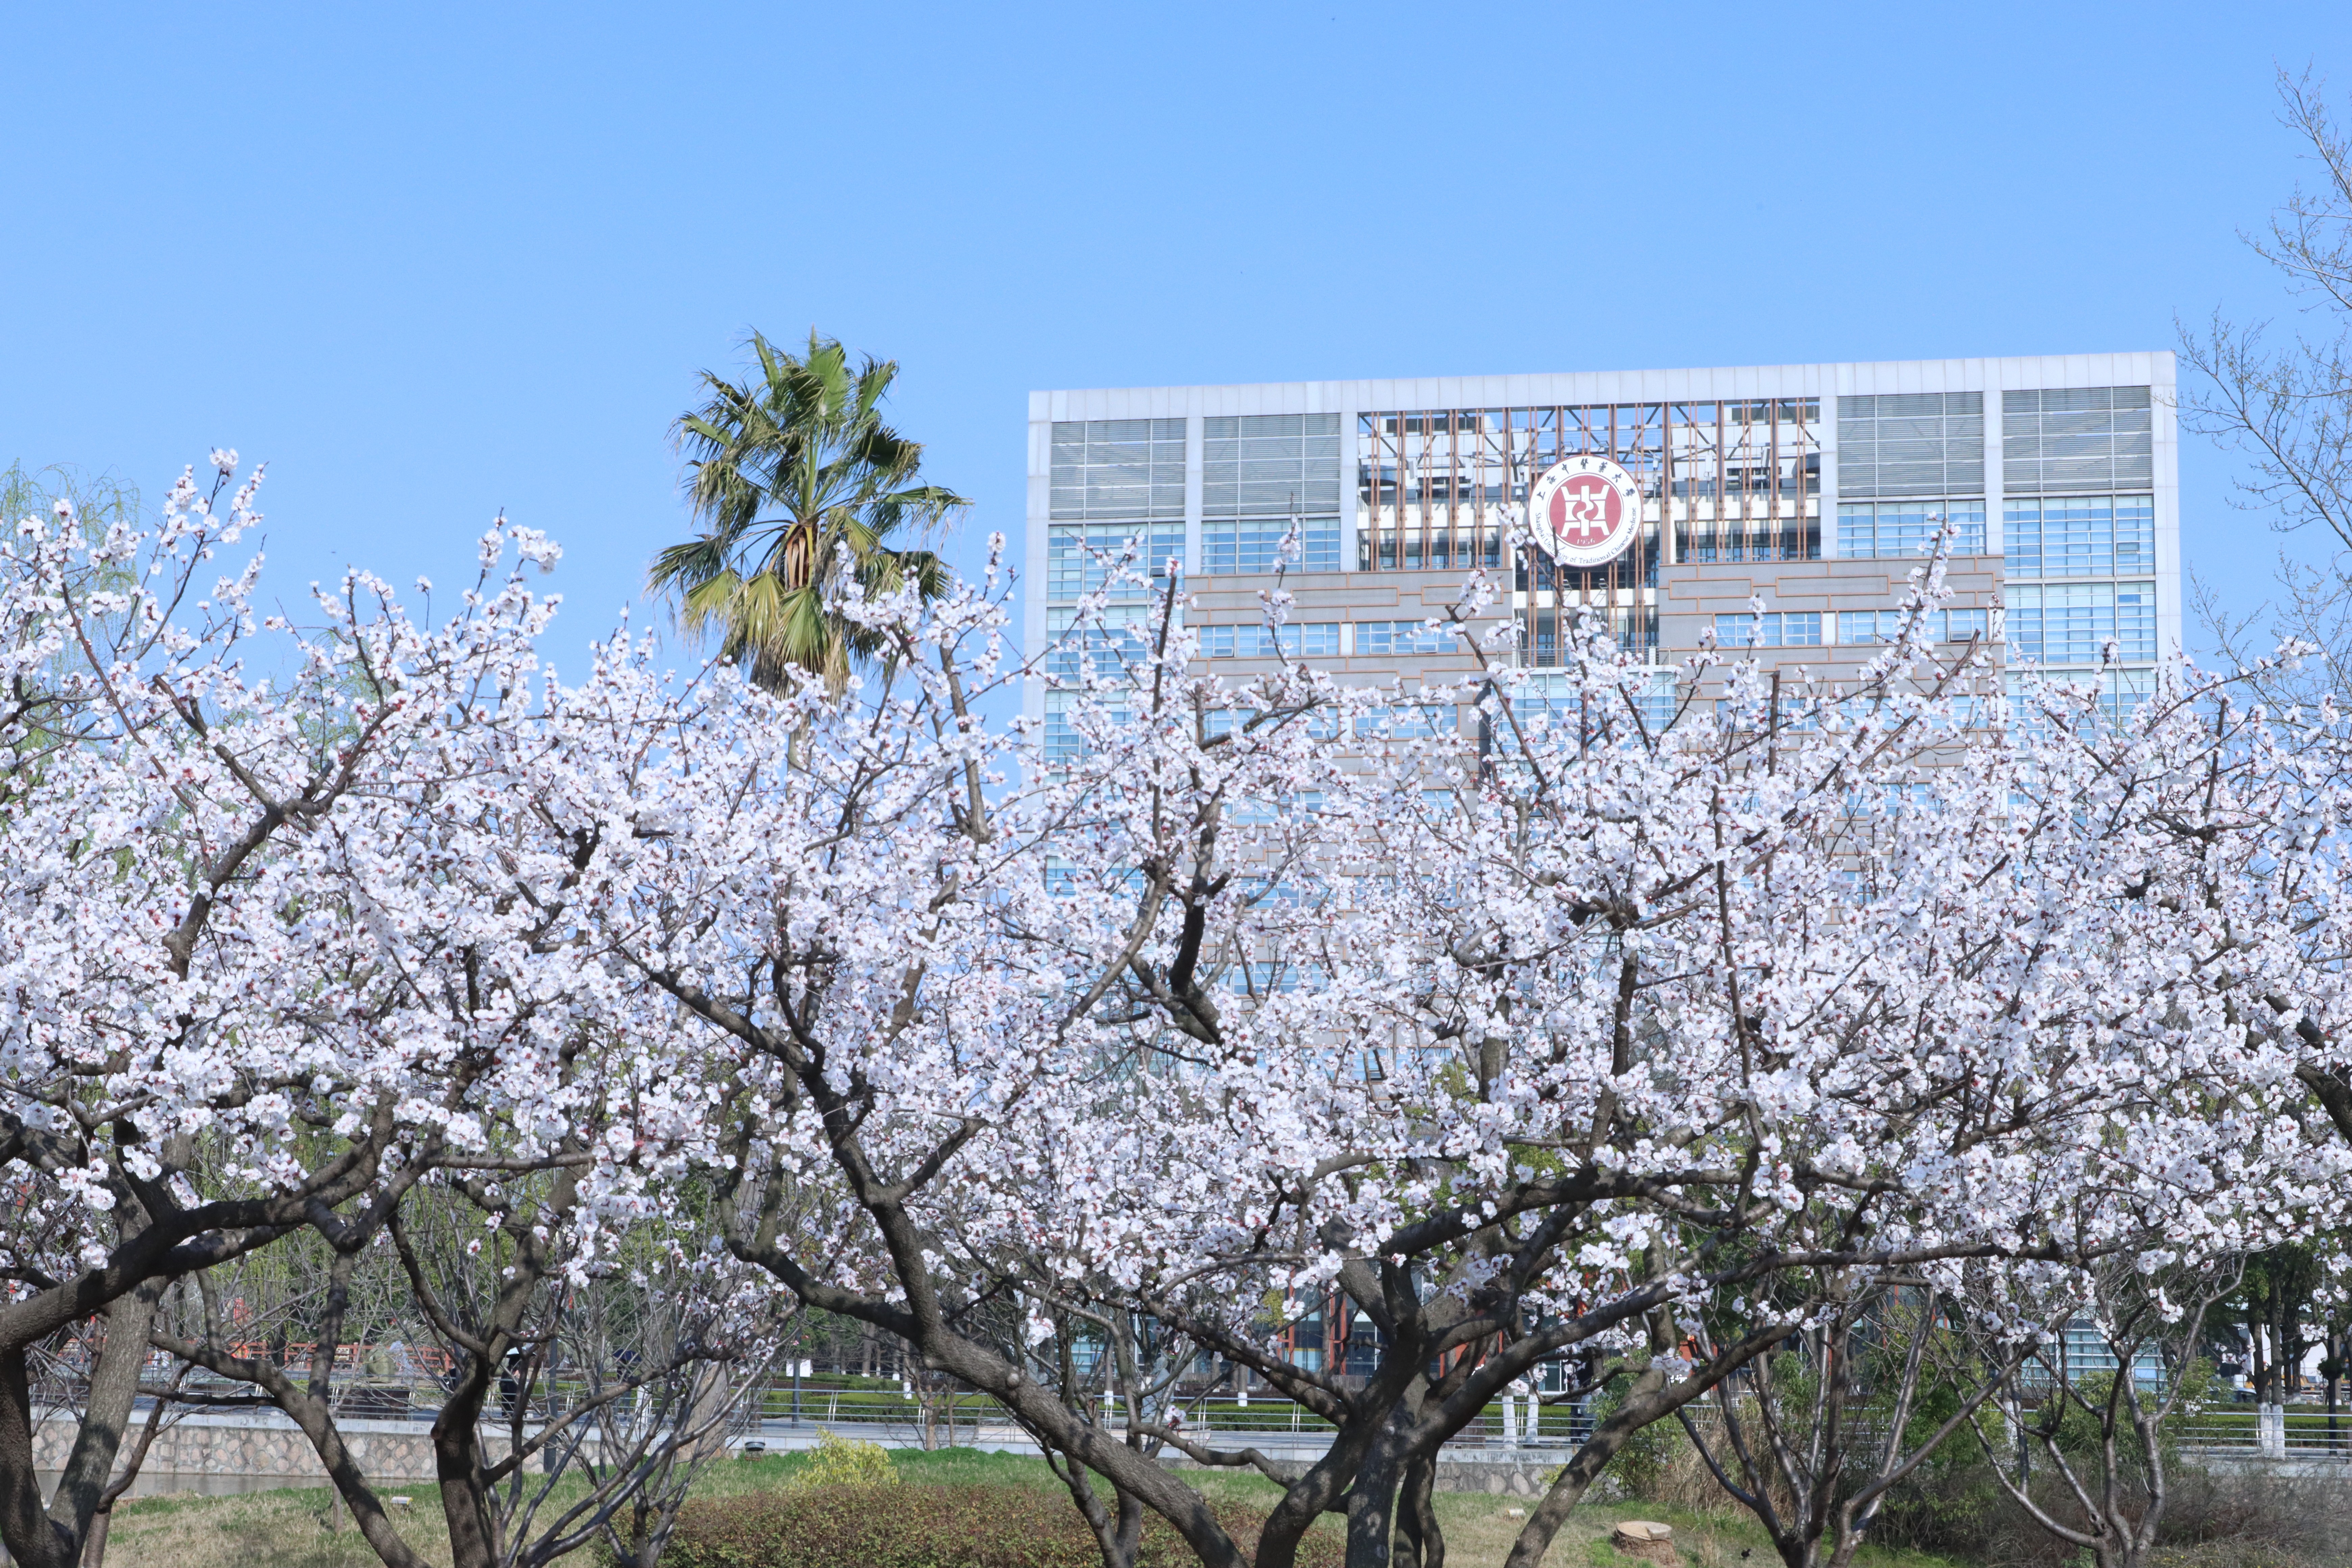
(1665, 501)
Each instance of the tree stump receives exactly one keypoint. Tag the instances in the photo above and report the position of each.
(1648, 1539)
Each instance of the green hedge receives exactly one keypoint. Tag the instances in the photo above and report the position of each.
(931, 1527)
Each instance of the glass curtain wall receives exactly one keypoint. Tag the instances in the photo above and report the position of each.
(1115, 487)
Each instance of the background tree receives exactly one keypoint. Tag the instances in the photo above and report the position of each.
(2286, 404)
(2105, 1433)
(805, 494)
(2277, 1301)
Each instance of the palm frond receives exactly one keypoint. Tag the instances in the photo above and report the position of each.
(791, 472)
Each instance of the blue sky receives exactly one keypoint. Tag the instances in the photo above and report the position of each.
(431, 261)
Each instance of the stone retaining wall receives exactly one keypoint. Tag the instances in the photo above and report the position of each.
(259, 1447)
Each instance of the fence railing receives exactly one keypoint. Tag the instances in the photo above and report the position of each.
(2293, 1432)
(853, 1406)
(1522, 1423)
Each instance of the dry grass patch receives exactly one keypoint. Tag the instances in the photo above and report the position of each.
(261, 1530)
(288, 1529)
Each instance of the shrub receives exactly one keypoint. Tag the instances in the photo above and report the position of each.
(919, 1526)
(839, 1461)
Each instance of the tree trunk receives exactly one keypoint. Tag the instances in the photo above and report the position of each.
(33, 1540)
(1371, 1501)
(457, 1463)
(1417, 1514)
(114, 1389)
(93, 1548)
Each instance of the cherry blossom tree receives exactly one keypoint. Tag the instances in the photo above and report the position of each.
(1542, 1017)
(279, 943)
(1522, 1016)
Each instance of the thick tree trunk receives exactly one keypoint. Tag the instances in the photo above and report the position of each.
(1417, 1514)
(34, 1540)
(1372, 1503)
(457, 1463)
(114, 1389)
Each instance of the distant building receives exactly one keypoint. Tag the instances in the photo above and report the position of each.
(1668, 497)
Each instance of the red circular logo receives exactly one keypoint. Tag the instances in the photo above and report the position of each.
(1585, 510)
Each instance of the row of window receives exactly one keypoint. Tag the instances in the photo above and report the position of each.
(1270, 465)
(1105, 652)
(1242, 546)
(1831, 628)
(1078, 557)
(1868, 530)
(1620, 572)
(2056, 536)
(2120, 693)
(2056, 623)
(1251, 466)
(2077, 438)
(2072, 623)
(1471, 421)
(1393, 721)
(1633, 629)
(1297, 639)
(1909, 444)
(2079, 536)
(1117, 468)
(2053, 623)
(1898, 444)
(1782, 540)
(1312, 639)
(1386, 484)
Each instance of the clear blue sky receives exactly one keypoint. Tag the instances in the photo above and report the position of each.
(430, 261)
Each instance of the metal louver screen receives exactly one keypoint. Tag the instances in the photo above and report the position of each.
(1117, 469)
(1911, 443)
(2054, 439)
(1271, 464)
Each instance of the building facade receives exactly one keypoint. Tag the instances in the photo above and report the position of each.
(1815, 488)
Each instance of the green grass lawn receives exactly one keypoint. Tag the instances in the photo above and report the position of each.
(288, 1529)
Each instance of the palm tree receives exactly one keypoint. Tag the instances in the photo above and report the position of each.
(802, 488)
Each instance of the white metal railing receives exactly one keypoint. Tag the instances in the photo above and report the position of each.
(1517, 1421)
(2269, 1431)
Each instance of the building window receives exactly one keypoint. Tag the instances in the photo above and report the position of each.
(1119, 468)
(1263, 811)
(2136, 622)
(1064, 743)
(2076, 438)
(1548, 577)
(1406, 721)
(2072, 623)
(1404, 636)
(2121, 691)
(1632, 630)
(1298, 639)
(1861, 627)
(1911, 443)
(1079, 556)
(1757, 714)
(1106, 653)
(1872, 530)
(2079, 536)
(1255, 546)
(1774, 629)
(1784, 539)
(1272, 465)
